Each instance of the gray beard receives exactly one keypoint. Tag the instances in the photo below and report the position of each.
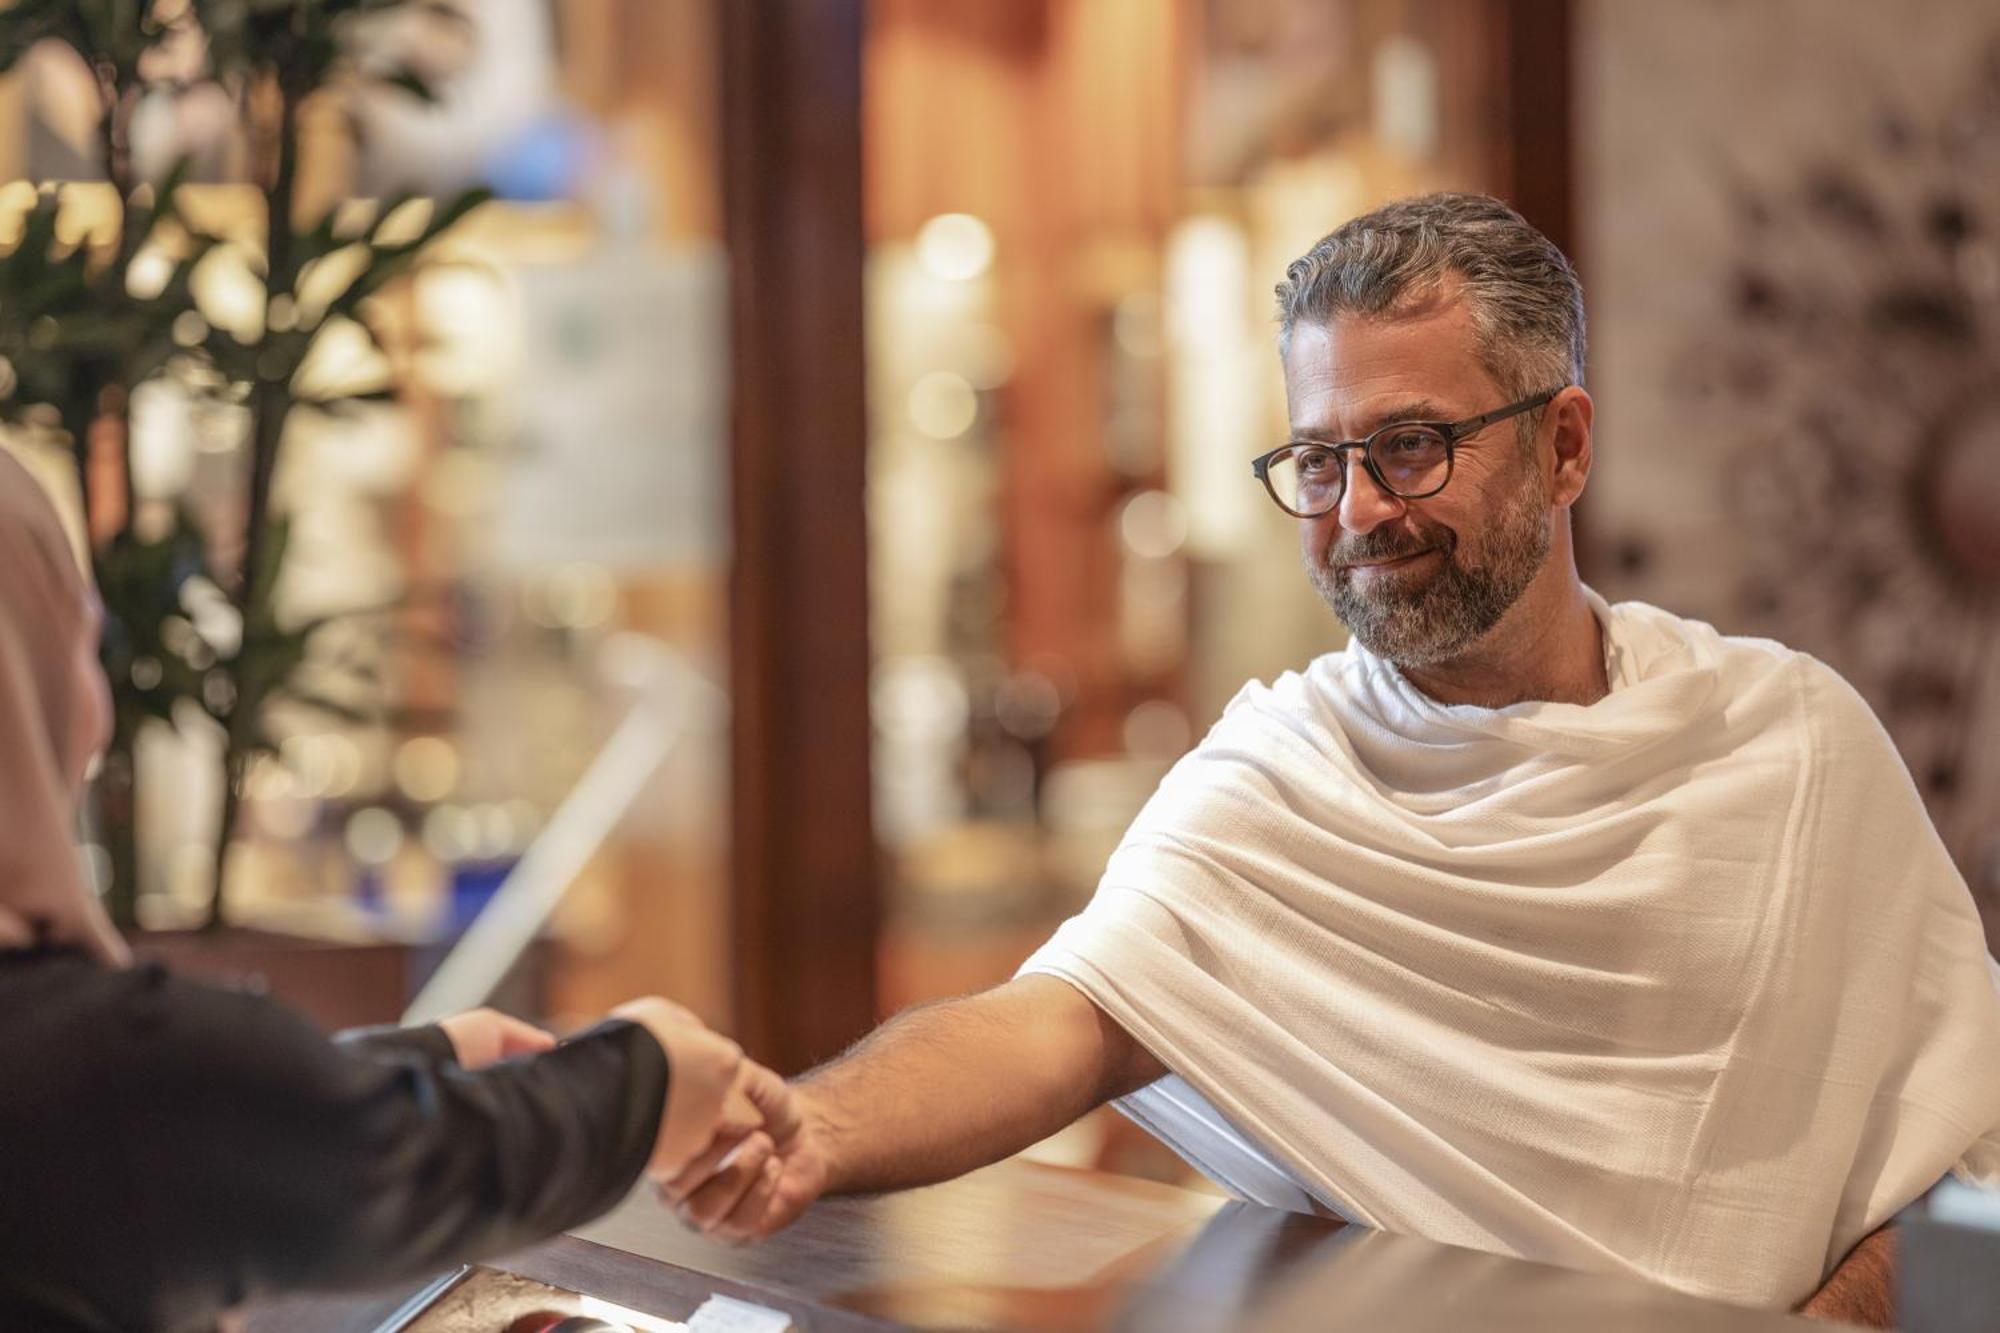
(1438, 620)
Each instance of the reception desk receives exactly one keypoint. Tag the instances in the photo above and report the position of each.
(1021, 1245)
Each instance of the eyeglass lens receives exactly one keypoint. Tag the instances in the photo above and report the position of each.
(1411, 461)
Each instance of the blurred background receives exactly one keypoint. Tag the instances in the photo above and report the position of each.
(781, 466)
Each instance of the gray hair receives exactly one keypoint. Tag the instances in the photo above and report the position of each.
(1525, 301)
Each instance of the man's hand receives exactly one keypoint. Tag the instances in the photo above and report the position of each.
(1863, 1289)
(747, 1192)
(706, 1108)
(482, 1037)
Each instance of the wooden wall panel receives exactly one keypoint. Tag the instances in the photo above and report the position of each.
(1057, 122)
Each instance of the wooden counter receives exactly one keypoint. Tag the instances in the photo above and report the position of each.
(1020, 1245)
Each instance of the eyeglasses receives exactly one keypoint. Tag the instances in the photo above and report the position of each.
(1408, 459)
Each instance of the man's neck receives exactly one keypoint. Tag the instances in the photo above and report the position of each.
(1548, 648)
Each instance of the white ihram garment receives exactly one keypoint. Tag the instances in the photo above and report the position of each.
(1680, 984)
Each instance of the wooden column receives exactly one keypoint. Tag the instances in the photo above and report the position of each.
(1535, 81)
(1537, 156)
(804, 875)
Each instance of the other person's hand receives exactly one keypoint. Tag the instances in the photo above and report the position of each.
(705, 1109)
(762, 1189)
(481, 1037)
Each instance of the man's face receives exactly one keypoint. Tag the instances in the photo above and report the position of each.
(1416, 581)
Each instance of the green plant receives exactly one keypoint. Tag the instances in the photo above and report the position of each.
(82, 325)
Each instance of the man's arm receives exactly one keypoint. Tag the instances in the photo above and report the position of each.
(936, 1092)
(947, 1088)
(1863, 1289)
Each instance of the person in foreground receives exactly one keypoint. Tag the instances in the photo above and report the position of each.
(172, 1149)
(1527, 923)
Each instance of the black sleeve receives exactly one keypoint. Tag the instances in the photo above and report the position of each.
(236, 1150)
(428, 1043)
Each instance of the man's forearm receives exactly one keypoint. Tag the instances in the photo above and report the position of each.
(950, 1087)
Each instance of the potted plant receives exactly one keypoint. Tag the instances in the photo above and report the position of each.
(86, 319)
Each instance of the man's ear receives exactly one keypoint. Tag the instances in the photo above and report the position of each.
(1570, 413)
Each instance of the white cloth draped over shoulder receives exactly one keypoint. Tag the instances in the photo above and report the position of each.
(1681, 983)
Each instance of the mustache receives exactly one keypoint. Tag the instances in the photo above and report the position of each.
(1371, 547)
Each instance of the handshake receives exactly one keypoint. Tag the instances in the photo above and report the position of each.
(737, 1154)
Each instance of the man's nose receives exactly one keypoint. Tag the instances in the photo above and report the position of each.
(1363, 504)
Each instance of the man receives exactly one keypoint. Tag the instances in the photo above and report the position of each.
(1527, 923)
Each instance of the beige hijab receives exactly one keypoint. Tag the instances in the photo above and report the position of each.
(43, 609)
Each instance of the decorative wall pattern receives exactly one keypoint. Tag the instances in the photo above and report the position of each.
(1793, 255)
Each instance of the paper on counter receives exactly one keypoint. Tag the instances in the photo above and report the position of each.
(726, 1314)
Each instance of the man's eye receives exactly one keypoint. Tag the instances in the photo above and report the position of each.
(1314, 462)
(1405, 443)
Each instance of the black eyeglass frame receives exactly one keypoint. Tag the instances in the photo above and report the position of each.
(1451, 431)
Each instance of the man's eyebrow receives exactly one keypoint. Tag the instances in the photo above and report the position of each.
(1395, 414)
